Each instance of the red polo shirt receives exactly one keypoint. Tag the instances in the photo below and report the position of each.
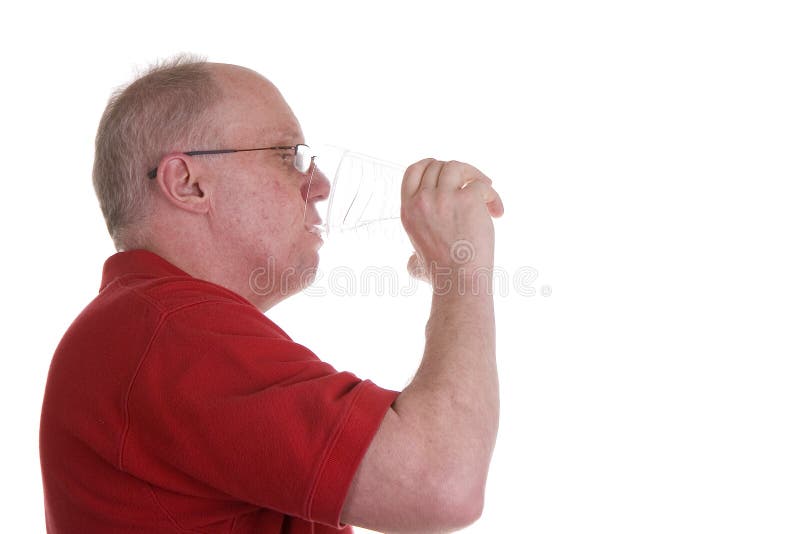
(175, 405)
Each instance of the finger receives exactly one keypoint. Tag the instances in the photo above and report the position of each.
(413, 177)
(482, 178)
(430, 178)
(456, 175)
(489, 196)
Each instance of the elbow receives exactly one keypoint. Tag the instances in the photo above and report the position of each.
(470, 508)
(465, 513)
(459, 502)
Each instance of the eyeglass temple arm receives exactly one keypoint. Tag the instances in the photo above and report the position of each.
(153, 172)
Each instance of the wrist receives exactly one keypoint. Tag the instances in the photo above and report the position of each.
(461, 280)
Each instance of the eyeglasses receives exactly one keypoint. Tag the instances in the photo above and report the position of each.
(303, 158)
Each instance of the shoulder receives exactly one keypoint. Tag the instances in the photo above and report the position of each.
(173, 293)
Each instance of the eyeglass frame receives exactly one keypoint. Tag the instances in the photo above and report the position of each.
(154, 172)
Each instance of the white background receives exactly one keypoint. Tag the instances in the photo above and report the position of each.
(648, 156)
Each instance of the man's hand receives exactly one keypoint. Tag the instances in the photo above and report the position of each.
(447, 210)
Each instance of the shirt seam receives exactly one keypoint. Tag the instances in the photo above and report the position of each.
(329, 448)
(139, 293)
(126, 409)
(165, 315)
(166, 512)
(123, 280)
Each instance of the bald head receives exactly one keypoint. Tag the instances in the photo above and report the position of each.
(251, 110)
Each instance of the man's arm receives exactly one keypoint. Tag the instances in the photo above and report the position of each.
(426, 468)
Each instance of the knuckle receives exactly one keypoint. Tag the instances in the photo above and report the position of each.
(454, 166)
(464, 170)
(418, 167)
(423, 163)
(418, 203)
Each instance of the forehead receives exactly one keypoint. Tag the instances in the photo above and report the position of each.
(252, 109)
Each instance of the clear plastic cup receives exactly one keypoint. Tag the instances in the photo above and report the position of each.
(364, 197)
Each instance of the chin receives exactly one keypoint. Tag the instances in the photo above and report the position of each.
(301, 277)
(289, 287)
(271, 282)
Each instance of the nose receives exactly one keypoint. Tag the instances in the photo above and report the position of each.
(318, 187)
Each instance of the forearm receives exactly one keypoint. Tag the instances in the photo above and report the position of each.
(426, 467)
(453, 399)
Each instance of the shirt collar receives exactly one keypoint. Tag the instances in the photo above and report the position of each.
(141, 262)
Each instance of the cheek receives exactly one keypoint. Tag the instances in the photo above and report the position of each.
(277, 204)
(264, 210)
(276, 214)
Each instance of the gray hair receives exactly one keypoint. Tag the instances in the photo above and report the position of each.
(163, 110)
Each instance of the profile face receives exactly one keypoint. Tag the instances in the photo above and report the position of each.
(266, 206)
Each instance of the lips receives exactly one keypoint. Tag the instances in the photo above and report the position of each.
(315, 225)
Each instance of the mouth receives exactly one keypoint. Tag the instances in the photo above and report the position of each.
(314, 224)
(316, 229)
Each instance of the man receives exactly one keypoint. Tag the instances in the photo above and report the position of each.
(173, 404)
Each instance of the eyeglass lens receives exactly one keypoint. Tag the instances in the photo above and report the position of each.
(303, 158)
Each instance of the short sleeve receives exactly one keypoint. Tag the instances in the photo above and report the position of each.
(225, 406)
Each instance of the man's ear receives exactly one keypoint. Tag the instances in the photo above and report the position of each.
(179, 180)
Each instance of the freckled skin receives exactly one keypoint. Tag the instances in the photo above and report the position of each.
(255, 201)
(266, 196)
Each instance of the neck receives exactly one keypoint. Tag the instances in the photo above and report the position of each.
(206, 262)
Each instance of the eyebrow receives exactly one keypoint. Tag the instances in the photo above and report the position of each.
(288, 137)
